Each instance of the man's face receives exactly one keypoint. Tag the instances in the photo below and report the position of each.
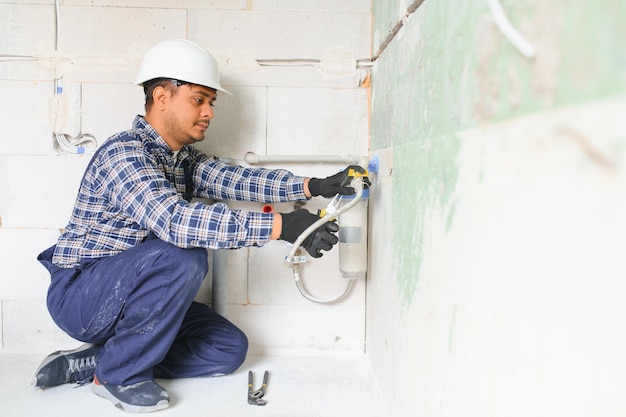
(188, 114)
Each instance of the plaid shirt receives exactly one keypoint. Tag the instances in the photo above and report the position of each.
(134, 186)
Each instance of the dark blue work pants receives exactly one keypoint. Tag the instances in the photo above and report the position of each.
(139, 306)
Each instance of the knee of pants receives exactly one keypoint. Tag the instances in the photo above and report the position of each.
(238, 353)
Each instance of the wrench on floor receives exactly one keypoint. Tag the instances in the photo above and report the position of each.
(255, 397)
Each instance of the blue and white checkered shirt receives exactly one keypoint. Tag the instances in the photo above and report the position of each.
(134, 185)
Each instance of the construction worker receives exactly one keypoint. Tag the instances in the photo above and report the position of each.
(125, 271)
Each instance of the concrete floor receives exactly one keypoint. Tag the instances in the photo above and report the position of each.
(299, 386)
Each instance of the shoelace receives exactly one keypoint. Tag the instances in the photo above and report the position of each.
(81, 370)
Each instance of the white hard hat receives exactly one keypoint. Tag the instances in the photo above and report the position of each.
(182, 60)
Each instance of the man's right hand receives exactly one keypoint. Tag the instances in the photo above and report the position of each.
(296, 222)
(336, 184)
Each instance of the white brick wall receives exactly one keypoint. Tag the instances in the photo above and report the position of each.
(292, 35)
(25, 117)
(278, 110)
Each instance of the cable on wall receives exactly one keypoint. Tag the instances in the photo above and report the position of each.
(360, 63)
(83, 142)
(7, 58)
(509, 31)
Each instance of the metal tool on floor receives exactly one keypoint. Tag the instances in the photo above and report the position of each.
(255, 397)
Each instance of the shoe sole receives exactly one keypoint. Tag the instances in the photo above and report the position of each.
(51, 358)
(102, 392)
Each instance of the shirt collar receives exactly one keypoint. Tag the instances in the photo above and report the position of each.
(149, 134)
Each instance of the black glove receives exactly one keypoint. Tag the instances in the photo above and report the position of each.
(336, 184)
(296, 222)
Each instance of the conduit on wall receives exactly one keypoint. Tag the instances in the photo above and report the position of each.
(253, 159)
(83, 142)
(6, 58)
(358, 63)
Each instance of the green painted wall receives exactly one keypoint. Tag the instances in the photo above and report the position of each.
(450, 69)
(464, 306)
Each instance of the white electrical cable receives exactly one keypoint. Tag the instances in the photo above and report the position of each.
(81, 144)
(57, 23)
(76, 145)
(509, 31)
(357, 184)
(8, 58)
(65, 141)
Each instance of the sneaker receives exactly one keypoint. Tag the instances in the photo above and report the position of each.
(142, 397)
(65, 366)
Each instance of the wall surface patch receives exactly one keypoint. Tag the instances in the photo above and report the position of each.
(425, 187)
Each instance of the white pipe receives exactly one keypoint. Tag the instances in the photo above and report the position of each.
(57, 23)
(509, 31)
(17, 58)
(253, 159)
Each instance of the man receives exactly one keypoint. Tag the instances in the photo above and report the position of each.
(126, 269)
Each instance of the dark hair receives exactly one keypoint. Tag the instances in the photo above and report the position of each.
(167, 83)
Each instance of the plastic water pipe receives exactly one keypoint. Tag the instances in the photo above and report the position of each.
(253, 159)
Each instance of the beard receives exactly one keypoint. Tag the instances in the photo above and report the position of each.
(181, 135)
